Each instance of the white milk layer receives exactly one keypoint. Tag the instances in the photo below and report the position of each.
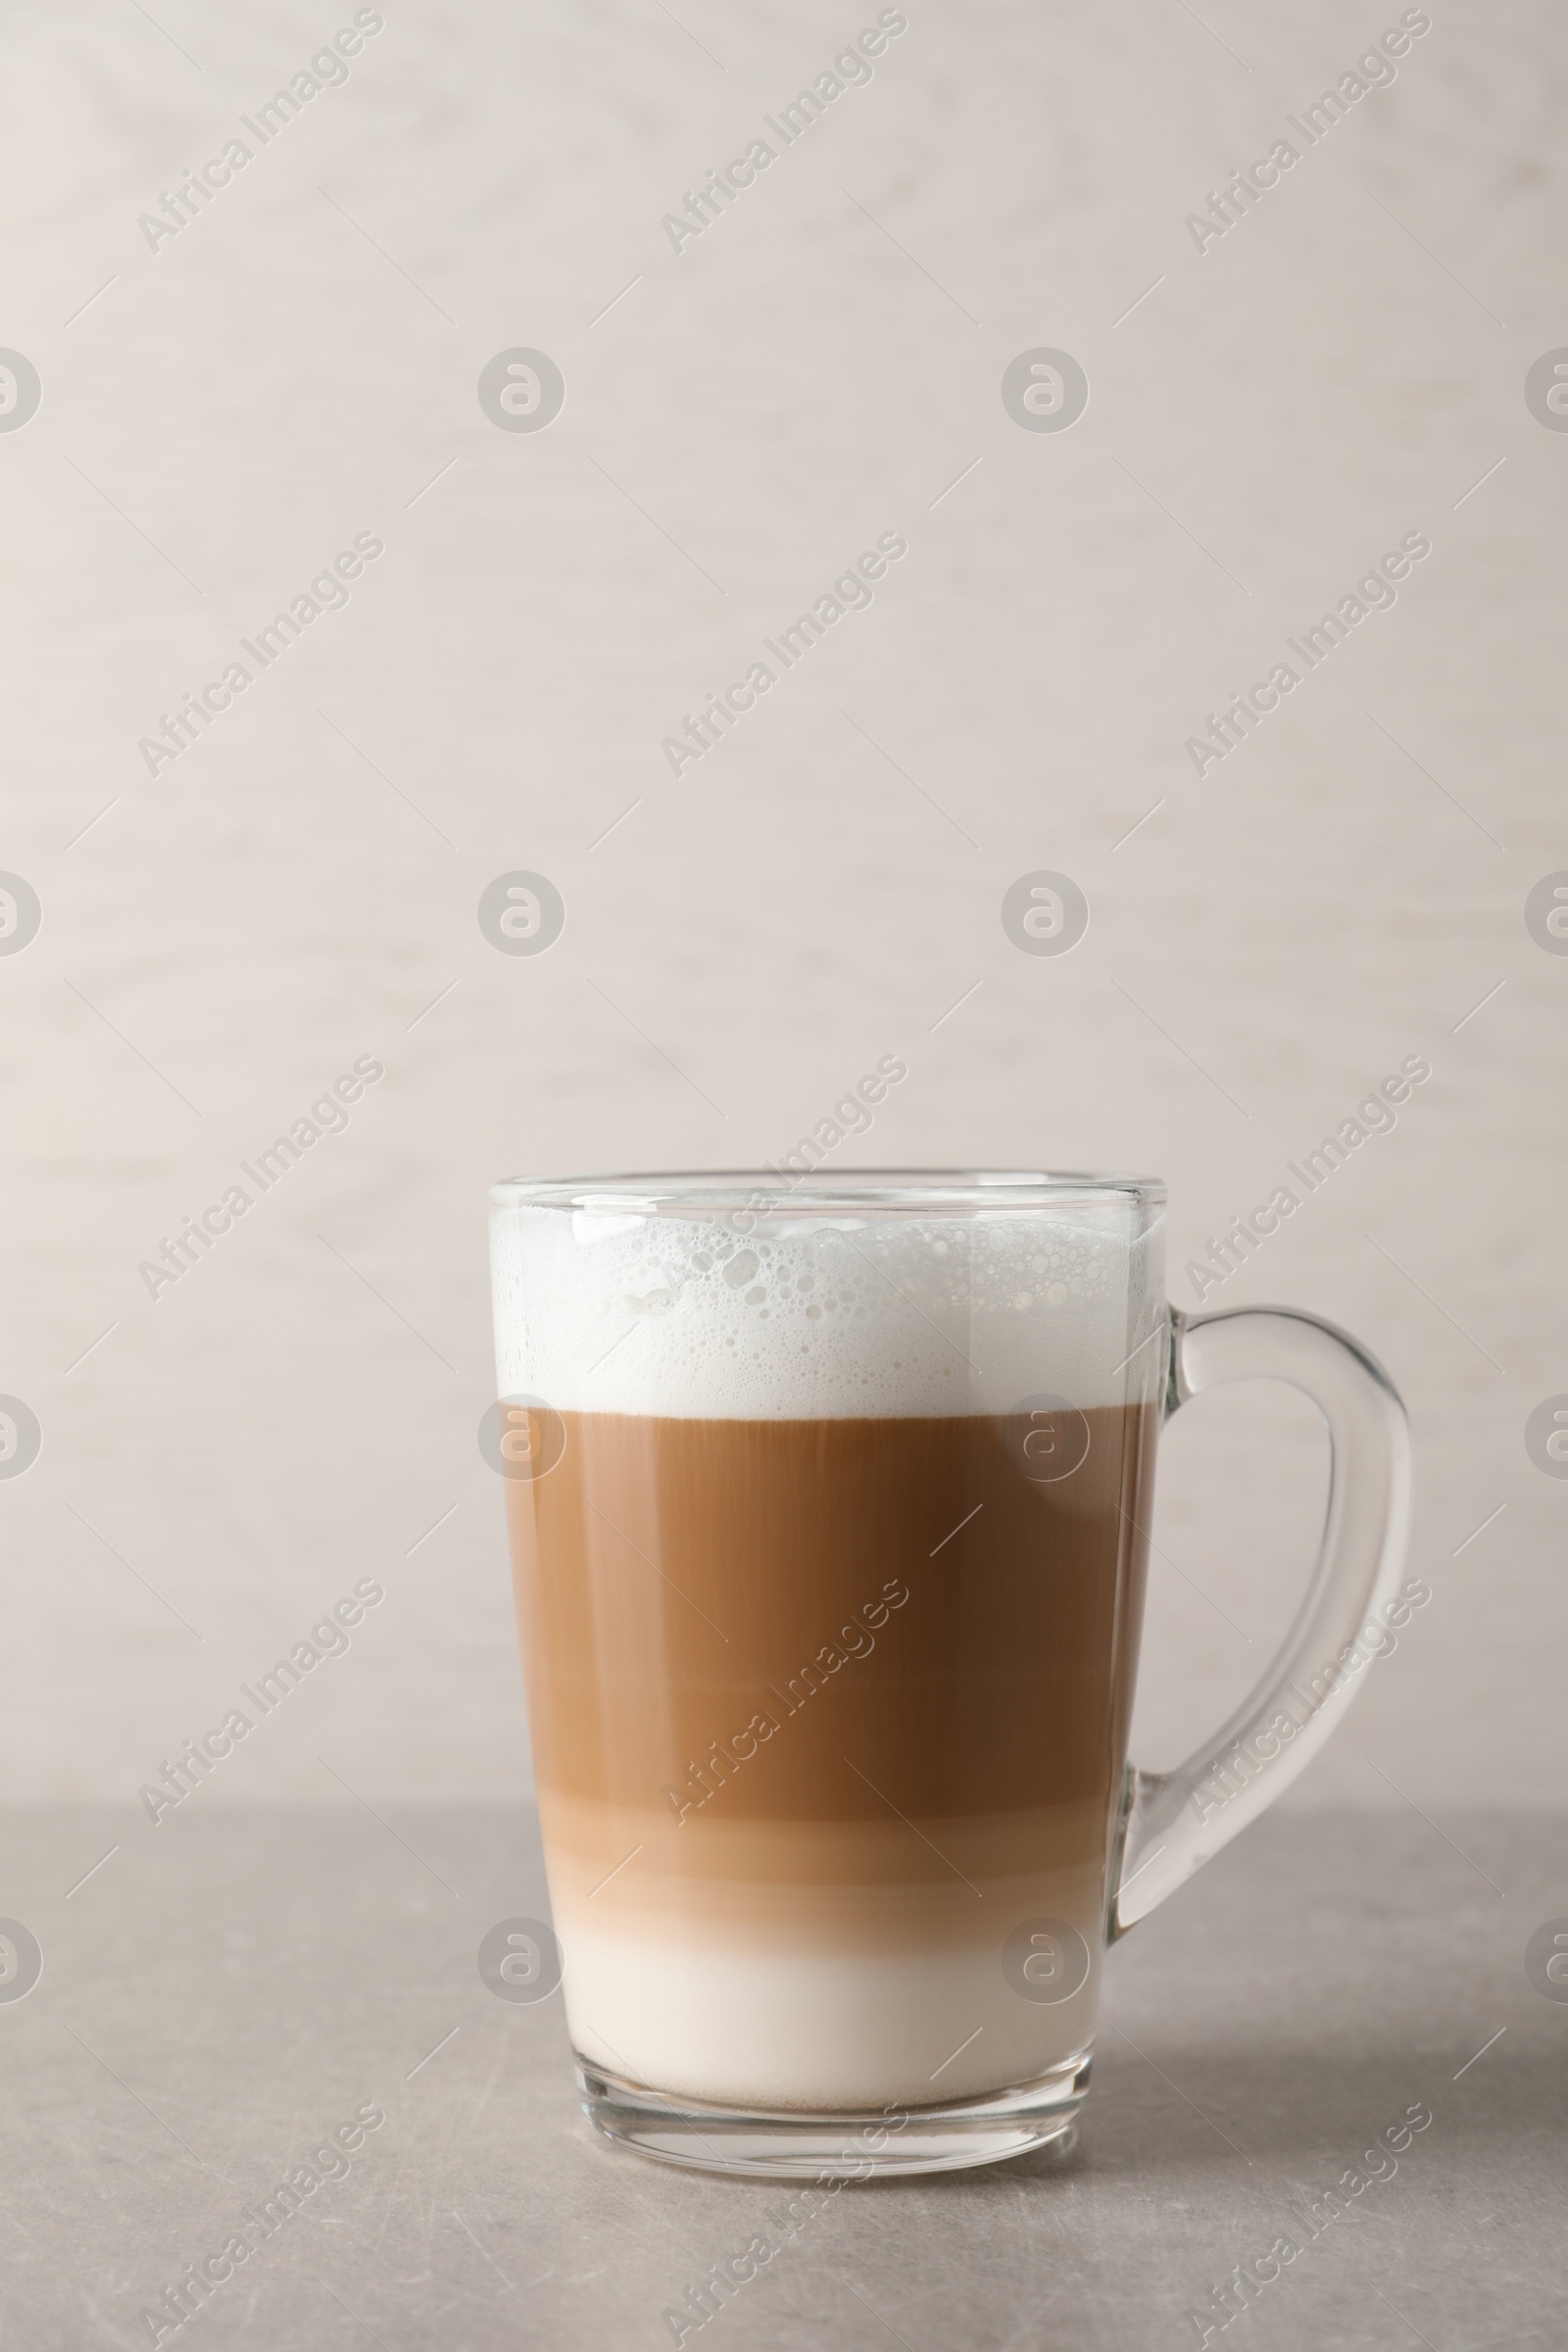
(806, 1318)
(847, 2030)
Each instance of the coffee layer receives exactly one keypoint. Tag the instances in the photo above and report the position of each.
(901, 1597)
(839, 1696)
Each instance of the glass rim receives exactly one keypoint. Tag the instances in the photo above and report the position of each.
(932, 1192)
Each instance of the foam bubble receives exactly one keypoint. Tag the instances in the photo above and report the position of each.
(817, 1318)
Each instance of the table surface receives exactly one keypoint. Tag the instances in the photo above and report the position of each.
(227, 1990)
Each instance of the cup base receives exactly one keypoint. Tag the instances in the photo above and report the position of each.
(838, 2143)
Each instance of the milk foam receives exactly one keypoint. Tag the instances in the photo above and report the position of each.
(811, 1317)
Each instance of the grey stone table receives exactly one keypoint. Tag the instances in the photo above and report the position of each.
(222, 1994)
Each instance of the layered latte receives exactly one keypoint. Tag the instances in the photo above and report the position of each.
(829, 1574)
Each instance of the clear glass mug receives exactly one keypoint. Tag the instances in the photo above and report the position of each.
(829, 1500)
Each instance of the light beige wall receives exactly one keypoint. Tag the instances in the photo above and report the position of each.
(300, 361)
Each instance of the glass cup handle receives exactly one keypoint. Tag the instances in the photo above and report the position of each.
(1174, 1820)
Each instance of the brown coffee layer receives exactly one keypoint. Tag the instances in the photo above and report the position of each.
(810, 1885)
(853, 1633)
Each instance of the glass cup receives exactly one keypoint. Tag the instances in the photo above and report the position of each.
(829, 1499)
